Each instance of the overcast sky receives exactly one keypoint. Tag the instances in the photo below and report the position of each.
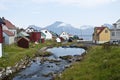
(23, 13)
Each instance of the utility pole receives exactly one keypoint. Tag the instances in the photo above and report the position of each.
(1, 36)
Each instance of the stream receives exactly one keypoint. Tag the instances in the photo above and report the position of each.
(51, 66)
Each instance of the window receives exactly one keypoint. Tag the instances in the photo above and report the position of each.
(113, 33)
(106, 31)
(45, 31)
(118, 33)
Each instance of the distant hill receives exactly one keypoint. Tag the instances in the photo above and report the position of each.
(85, 31)
(58, 27)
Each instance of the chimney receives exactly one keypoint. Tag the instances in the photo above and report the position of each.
(3, 18)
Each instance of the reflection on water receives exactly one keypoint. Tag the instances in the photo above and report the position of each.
(66, 51)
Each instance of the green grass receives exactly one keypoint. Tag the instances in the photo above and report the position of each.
(98, 64)
(13, 54)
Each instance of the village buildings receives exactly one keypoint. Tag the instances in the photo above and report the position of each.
(9, 32)
(115, 32)
(101, 35)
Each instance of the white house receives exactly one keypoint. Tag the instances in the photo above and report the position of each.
(58, 39)
(9, 32)
(8, 37)
(47, 33)
(64, 35)
(115, 32)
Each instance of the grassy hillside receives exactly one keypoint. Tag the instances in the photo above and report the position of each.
(100, 63)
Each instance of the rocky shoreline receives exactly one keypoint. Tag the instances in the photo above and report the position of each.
(22, 64)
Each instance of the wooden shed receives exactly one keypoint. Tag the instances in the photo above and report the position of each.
(23, 42)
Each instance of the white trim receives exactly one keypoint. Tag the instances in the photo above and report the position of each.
(0, 50)
(101, 42)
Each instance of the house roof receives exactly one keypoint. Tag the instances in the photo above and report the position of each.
(8, 24)
(118, 21)
(64, 33)
(23, 38)
(54, 34)
(100, 28)
(42, 34)
(8, 33)
(22, 34)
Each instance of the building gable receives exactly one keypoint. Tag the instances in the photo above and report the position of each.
(8, 24)
(47, 33)
(64, 35)
(98, 30)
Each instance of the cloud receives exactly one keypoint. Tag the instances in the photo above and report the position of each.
(81, 3)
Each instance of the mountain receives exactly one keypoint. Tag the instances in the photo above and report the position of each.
(58, 27)
(84, 32)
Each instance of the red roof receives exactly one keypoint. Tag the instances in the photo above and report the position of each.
(8, 33)
(8, 24)
(100, 28)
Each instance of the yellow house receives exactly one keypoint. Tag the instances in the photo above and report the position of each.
(101, 35)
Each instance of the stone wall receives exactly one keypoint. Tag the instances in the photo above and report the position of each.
(22, 64)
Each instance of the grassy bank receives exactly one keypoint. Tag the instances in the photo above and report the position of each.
(13, 54)
(99, 64)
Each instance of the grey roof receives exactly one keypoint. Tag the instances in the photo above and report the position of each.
(118, 21)
(22, 34)
(1, 21)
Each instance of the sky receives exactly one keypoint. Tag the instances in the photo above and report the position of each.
(23, 13)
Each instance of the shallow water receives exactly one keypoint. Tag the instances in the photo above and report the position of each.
(66, 51)
(47, 69)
